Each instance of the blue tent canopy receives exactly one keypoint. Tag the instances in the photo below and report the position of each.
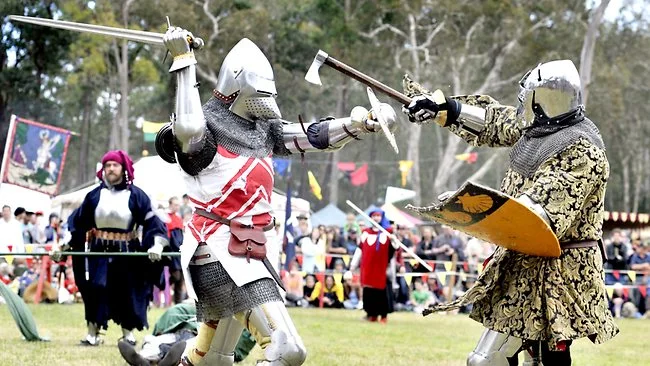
(328, 215)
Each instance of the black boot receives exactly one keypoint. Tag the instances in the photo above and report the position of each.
(130, 355)
(173, 356)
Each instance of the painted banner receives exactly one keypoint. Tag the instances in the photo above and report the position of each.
(35, 155)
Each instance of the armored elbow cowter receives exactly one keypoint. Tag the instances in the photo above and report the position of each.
(333, 133)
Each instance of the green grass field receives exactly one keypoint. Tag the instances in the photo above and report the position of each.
(332, 337)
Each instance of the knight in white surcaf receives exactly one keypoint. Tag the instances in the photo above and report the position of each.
(224, 150)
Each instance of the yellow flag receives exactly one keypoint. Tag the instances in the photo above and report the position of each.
(29, 248)
(448, 266)
(315, 187)
(443, 278)
(405, 167)
(413, 262)
(346, 260)
(610, 291)
(408, 279)
(151, 127)
(632, 275)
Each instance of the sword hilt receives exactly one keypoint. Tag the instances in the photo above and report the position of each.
(196, 43)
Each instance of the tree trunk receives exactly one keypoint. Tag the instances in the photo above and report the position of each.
(414, 133)
(82, 169)
(626, 184)
(123, 70)
(372, 181)
(588, 46)
(341, 110)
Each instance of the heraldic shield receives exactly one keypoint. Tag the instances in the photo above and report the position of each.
(490, 215)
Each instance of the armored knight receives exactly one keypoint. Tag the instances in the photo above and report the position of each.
(119, 287)
(558, 168)
(224, 150)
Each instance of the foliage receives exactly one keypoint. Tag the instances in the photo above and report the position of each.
(71, 80)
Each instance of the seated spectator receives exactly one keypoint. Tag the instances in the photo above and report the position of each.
(351, 292)
(402, 296)
(446, 244)
(6, 273)
(351, 223)
(335, 243)
(352, 241)
(308, 290)
(53, 229)
(424, 248)
(421, 297)
(434, 286)
(618, 304)
(640, 262)
(293, 282)
(618, 253)
(332, 293)
(310, 251)
(404, 235)
(339, 267)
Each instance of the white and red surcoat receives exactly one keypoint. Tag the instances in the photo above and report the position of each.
(375, 257)
(235, 187)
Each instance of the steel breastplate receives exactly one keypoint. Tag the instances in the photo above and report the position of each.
(112, 211)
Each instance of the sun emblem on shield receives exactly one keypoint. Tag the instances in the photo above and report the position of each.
(475, 204)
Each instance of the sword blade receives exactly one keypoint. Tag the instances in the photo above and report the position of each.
(122, 33)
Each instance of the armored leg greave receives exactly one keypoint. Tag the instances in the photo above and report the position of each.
(271, 325)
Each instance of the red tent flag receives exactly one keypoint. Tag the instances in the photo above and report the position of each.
(360, 176)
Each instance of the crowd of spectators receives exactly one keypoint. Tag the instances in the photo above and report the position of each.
(316, 267)
(318, 273)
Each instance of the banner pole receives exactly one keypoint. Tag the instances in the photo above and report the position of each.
(12, 122)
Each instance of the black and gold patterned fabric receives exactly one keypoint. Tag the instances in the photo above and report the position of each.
(535, 298)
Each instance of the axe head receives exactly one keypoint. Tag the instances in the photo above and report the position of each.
(312, 75)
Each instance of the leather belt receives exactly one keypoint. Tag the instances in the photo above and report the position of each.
(579, 244)
(225, 221)
(586, 244)
(108, 235)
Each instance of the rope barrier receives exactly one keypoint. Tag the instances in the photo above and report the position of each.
(89, 254)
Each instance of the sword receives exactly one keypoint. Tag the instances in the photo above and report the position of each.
(122, 33)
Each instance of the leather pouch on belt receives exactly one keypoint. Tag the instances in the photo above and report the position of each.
(246, 241)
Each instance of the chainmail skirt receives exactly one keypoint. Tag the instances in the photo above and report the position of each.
(219, 297)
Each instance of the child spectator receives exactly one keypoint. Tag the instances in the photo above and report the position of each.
(332, 293)
(308, 290)
(351, 292)
(293, 282)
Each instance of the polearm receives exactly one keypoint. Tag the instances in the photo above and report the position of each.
(89, 254)
(401, 245)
